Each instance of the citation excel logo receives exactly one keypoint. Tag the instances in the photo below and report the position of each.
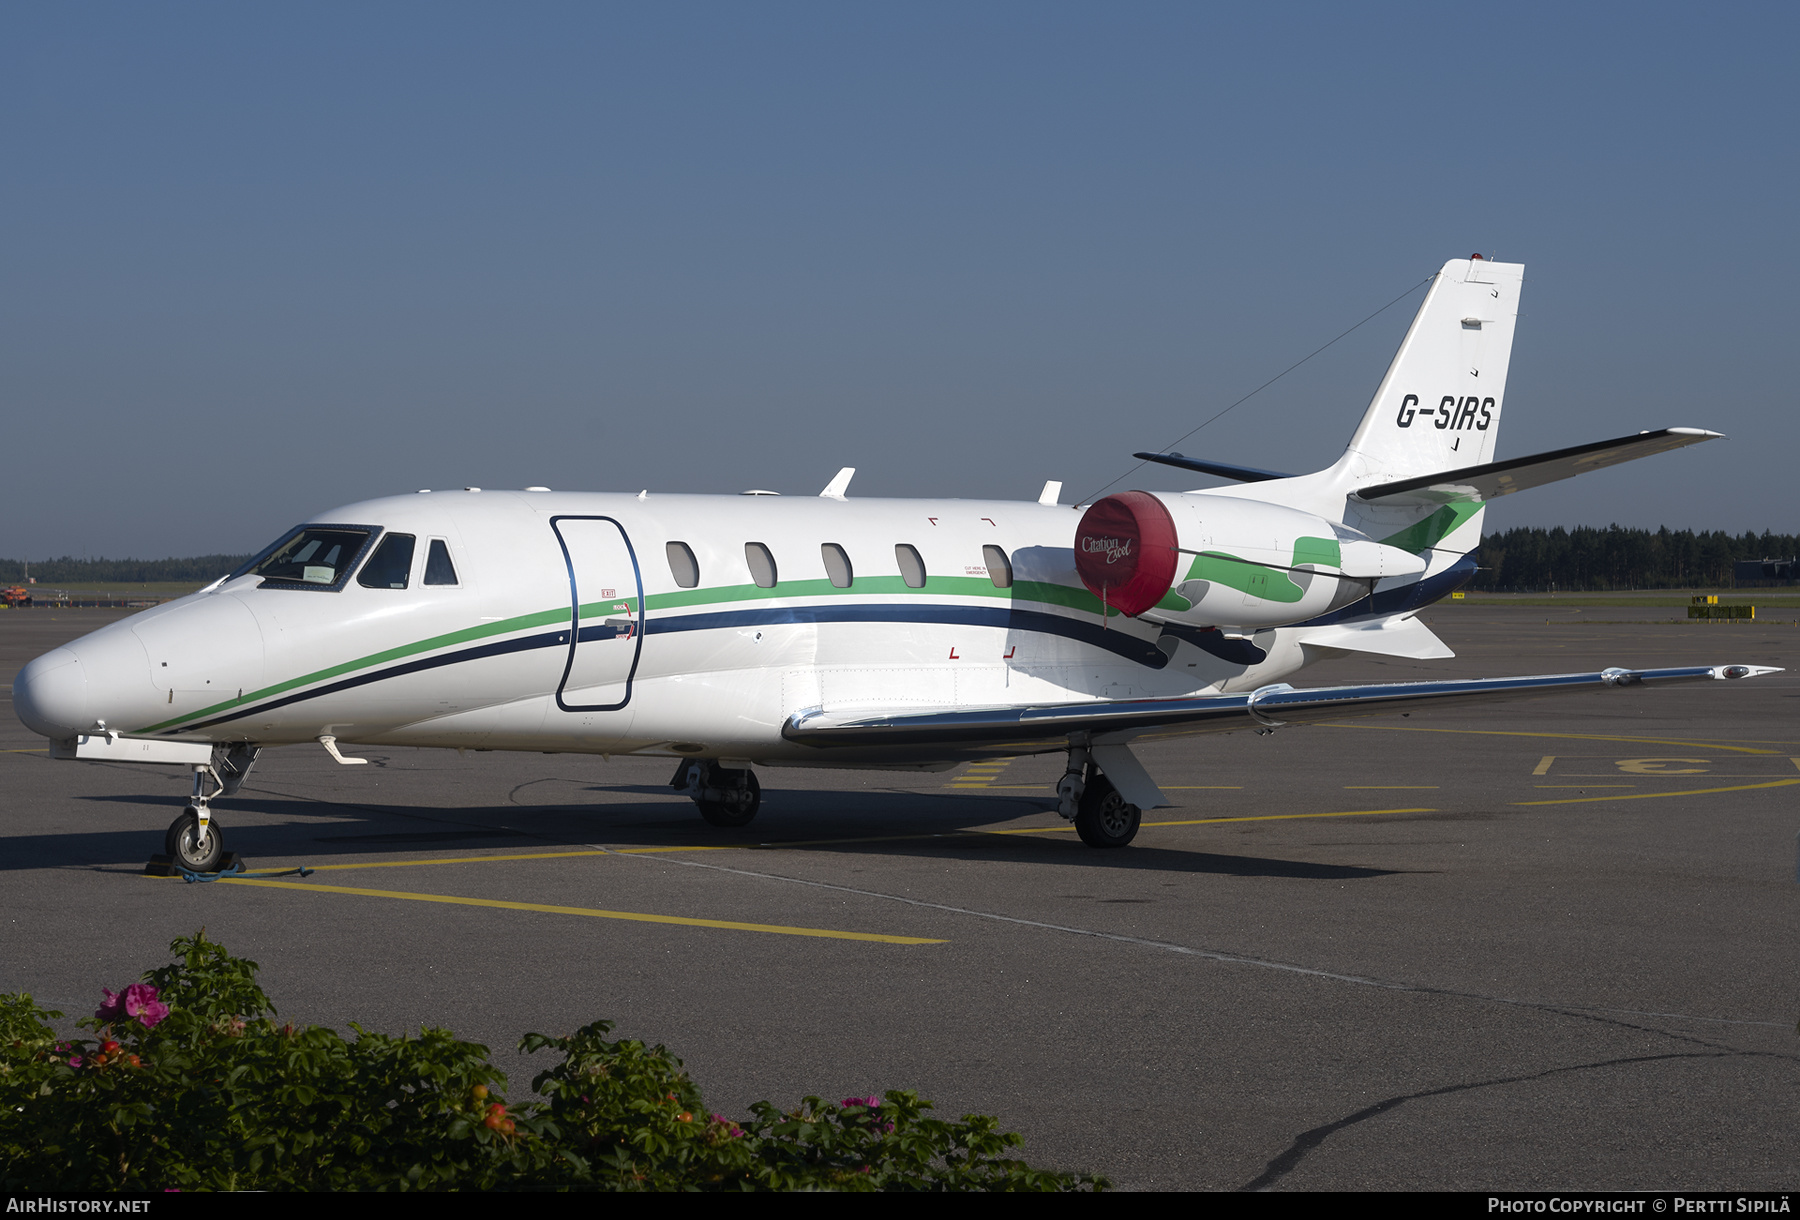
(1114, 549)
(1454, 413)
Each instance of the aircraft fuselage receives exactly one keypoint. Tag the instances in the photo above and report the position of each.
(567, 628)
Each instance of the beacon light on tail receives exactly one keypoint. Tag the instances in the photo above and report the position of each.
(1211, 561)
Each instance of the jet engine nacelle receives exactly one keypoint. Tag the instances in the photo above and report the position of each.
(1215, 561)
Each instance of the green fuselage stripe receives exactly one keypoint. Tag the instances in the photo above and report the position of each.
(954, 586)
(1228, 570)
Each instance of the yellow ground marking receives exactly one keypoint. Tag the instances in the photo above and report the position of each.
(537, 855)
(1658, 741)
(1165, 787)
(1646, 796)
(1584, 787)
(1543, 767)
(1261, 817)
(630, 916)
(635, 851)
(982, 775)
(1387, 787)
(1660, 766)
(39, 750)
(1795, 761)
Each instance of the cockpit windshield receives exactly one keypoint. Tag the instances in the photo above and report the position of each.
(311, 557)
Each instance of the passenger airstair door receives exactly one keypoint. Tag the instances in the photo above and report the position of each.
(606, 598)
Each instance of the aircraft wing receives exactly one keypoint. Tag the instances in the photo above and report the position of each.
(1494, 479)
(1267, 706)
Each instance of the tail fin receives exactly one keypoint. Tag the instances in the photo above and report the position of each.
(1438, 408)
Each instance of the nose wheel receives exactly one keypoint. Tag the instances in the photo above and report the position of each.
(193, 844)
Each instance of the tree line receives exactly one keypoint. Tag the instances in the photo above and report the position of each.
(68, 570)
(1587, 557)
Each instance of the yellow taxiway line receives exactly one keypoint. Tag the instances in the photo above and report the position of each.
(645, 851)
(870, 839)
(549, 909)
(1658, 741)
(1259, 817)
(1648, 796)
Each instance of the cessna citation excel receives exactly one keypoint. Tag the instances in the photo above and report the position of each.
(837, 632)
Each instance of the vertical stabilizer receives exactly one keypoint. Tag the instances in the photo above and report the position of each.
(1439, 406)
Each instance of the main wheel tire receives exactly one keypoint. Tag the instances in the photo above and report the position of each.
(741, 806)
(188, 850)
(1106, 819)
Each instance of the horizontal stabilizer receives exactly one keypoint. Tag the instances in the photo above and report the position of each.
(1267, 706)
(1387, 637)
(1243, 474)
(1493, 479)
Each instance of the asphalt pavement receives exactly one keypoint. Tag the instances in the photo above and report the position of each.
(1539, 945)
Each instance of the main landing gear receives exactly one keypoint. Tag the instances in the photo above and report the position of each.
(1102, 817)
(727, 797)
(194, 842)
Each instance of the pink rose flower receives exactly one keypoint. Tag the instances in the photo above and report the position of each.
(138, 1000)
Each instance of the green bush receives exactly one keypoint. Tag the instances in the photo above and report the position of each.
(190, 1083)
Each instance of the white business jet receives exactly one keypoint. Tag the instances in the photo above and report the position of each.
(837, 632)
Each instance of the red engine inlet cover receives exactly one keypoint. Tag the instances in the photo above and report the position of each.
(1125, 550)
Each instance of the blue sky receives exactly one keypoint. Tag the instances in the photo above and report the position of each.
(262, 260)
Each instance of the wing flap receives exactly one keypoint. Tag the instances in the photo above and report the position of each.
(1386, 637)
(1269, 705)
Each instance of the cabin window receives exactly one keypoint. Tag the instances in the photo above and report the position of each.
(837, 565)
(912, 568)
(312, 557)
(438, 568)
(682, 564)
(762, 564)
(390, 565)
(999, 566)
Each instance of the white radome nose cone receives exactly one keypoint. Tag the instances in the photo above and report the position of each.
(51, 695)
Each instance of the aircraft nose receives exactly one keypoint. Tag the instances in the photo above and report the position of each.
(51, 695)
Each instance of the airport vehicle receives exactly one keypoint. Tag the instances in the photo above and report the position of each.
(761, 630)
(15, 596)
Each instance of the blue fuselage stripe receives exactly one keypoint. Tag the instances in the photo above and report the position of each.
(1093, 633)
(1121, 643)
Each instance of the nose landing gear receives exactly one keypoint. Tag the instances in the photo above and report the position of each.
(194, 842)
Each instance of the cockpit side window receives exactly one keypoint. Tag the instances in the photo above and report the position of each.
(438, 568)
(318, 557)
(390, 566)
